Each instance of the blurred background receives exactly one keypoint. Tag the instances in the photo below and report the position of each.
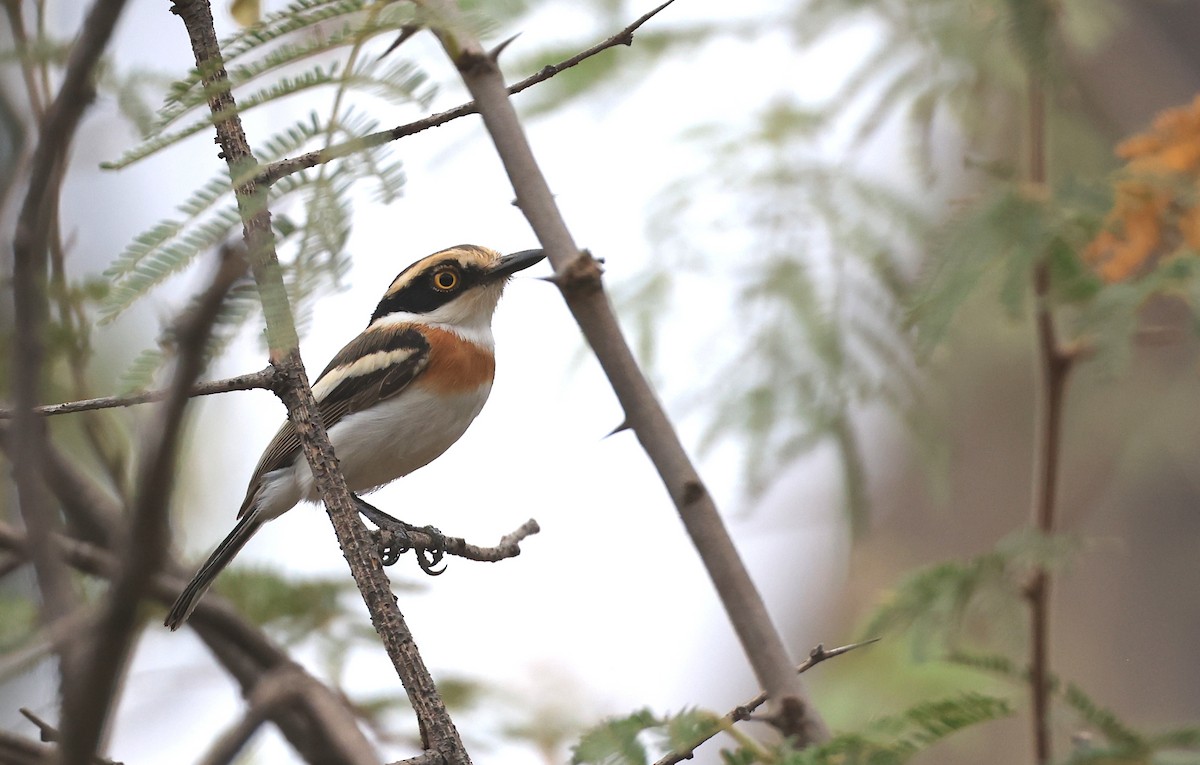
(818, 230)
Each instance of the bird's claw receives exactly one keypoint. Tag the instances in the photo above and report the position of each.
(429, 557)
(392, 544)
(393, 541)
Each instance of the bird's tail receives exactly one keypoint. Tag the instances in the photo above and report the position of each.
(220, 558)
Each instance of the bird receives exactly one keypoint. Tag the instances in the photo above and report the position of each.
(392, 400)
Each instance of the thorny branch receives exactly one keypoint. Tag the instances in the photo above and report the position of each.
(584, 294)
(285, 167)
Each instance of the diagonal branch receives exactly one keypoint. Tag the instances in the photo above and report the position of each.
(357, 546)
(49, 733)
(277, 688)
(578, 277)
(285, 167)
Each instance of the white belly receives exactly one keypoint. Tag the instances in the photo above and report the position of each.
(377, 446)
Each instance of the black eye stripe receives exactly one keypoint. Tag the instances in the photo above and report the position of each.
(422, 294)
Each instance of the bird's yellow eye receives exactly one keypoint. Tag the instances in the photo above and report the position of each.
(445, 280)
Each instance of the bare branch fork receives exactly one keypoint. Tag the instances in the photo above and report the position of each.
(579, 281)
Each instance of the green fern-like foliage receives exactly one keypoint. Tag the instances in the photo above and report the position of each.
(817, 293)
(937, 605)
(310, 44)
(898, 738)
(1102, 736)
(936, 58)
(638, 738)
(292, 608)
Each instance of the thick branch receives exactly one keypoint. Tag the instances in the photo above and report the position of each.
(323, 730)
(88, 701)
(579, 280)
(285, 167)
(56, 132)
(263, 378)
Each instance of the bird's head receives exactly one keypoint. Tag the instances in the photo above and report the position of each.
(458, 288)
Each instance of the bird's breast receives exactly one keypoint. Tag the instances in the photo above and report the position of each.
(455, 365)
(392, 439)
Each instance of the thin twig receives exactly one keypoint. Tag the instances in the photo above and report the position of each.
(262, 379)
(508, 547)
(744, 711)
(50, 639)
(88, 702)
(578, 277)
(50, 734)
(276, 688)
(285, 167)
(1054, 366)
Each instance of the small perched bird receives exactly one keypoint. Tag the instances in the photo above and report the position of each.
(393, 399)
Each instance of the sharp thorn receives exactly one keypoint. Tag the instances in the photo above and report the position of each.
(406, 31)
(623, 426)
(494, 55)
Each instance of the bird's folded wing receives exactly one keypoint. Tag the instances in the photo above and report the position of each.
(375, 366)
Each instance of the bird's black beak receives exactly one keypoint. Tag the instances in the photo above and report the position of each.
(518, 261)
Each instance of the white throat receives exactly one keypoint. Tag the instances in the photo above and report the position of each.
(478, 331)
